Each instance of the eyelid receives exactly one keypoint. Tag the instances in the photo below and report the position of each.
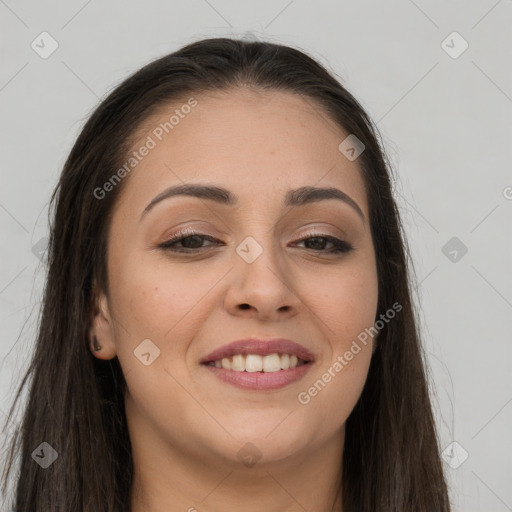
(323, 231)
(185, 233)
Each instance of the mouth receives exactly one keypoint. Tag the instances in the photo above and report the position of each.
(255, 363)
(259, 364)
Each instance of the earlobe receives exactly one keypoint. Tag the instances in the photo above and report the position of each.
(102, 341)
(95, 344)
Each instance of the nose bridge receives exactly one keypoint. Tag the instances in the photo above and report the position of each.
(259, 257)
(257, 232)
(262, 279)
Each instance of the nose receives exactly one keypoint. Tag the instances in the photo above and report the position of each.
(262, 288)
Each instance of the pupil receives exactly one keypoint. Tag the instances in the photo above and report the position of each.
(197, 238)
(322, 242)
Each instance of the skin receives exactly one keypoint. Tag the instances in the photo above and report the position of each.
(186, 425)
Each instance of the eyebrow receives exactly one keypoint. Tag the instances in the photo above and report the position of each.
(297, 197)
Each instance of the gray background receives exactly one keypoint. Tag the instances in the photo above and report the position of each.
(446, 123)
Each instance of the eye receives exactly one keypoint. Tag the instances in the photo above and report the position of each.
(190, 242)
(319, 241)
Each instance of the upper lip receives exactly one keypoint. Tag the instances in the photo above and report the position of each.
(259, 347)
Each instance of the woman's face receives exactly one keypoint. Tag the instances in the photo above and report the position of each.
(261, 266)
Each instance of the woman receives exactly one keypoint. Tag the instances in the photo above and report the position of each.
(227, 320)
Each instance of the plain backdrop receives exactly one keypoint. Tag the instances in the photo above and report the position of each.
(435, 76)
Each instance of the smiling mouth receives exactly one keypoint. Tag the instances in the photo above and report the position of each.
(253, 372)
(256, 363)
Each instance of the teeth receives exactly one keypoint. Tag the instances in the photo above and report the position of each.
(271, 363)
(238, 364)
(255, 363)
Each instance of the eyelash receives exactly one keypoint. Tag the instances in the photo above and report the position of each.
(340, 246)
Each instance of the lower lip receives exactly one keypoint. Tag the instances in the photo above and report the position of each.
(260, 380)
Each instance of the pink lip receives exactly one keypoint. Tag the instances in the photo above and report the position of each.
(260, 381)
(261, 348)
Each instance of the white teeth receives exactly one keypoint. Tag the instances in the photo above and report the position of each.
(256, 363)
(238, 364)
(272, 363)
(253, 363)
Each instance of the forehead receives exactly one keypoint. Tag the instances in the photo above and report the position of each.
(258, 143)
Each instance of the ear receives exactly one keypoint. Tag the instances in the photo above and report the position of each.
(101, 336)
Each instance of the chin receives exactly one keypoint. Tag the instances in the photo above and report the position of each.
(271, 443)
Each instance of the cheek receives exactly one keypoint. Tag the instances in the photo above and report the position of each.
(345, 302)
(155, 301)
(152, 298)
(346, 305)
(348, 313)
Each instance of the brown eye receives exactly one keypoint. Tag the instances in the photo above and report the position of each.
(318, 242)
(189, 243)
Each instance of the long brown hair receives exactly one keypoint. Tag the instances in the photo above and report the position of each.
(391, 459)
